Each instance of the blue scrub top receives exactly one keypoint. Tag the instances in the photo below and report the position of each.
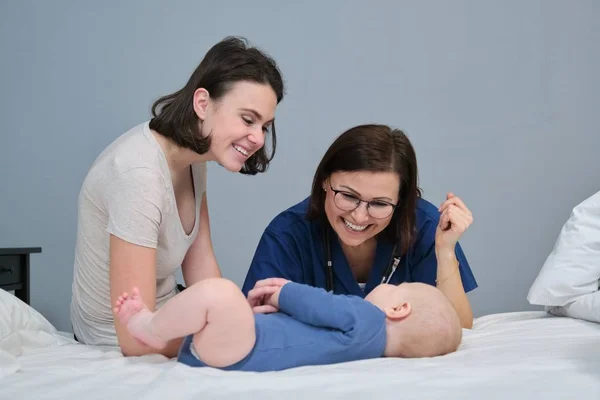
(292, 247)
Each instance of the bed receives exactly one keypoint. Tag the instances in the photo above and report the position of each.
(505, 356)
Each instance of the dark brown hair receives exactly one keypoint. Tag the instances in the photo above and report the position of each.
(373, 148)
(227, 62)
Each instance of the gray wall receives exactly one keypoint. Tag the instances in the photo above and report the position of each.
(500, 98)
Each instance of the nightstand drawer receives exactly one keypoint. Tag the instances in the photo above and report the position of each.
(10, 269)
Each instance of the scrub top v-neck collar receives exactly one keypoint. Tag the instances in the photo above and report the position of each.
(343, 273)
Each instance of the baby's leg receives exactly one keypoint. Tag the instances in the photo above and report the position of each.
(214, 310)
(229, 334)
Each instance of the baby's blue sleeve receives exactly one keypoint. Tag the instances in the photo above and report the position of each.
(319, 308)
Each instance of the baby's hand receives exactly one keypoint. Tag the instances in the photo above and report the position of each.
(264, 298)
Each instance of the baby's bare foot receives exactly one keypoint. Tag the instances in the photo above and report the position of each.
(133, 313)
(126, 306)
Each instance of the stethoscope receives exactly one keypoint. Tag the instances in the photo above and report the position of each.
(387, 273)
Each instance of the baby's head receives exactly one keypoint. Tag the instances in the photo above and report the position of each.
(421, 321)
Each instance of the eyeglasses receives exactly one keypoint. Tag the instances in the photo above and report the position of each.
(347, 201)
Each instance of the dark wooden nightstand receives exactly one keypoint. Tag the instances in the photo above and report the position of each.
(14, 270)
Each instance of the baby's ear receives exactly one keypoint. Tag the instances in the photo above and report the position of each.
(398, 312)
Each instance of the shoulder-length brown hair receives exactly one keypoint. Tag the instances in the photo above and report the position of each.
(373, 148)
(227, 62)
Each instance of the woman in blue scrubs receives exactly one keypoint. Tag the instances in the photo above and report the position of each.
(365, 223)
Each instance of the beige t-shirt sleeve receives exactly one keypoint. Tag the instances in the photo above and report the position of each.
(135, 202)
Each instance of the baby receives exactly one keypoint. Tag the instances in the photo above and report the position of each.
(284, 324)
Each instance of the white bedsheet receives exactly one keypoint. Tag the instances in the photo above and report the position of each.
(506, 356)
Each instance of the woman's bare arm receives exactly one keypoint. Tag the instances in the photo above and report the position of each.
(450, 283)
(200, 261)
(132, 265)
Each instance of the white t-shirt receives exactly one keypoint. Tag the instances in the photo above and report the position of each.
(128, 192)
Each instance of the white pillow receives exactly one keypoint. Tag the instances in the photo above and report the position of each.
(572, 269)
(8, 364)
(23, 328)
(585, 307)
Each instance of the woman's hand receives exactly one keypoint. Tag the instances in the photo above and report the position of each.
(455, 219)
(264, 297)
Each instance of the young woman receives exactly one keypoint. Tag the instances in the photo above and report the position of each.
(365, 223)
(142, 209)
